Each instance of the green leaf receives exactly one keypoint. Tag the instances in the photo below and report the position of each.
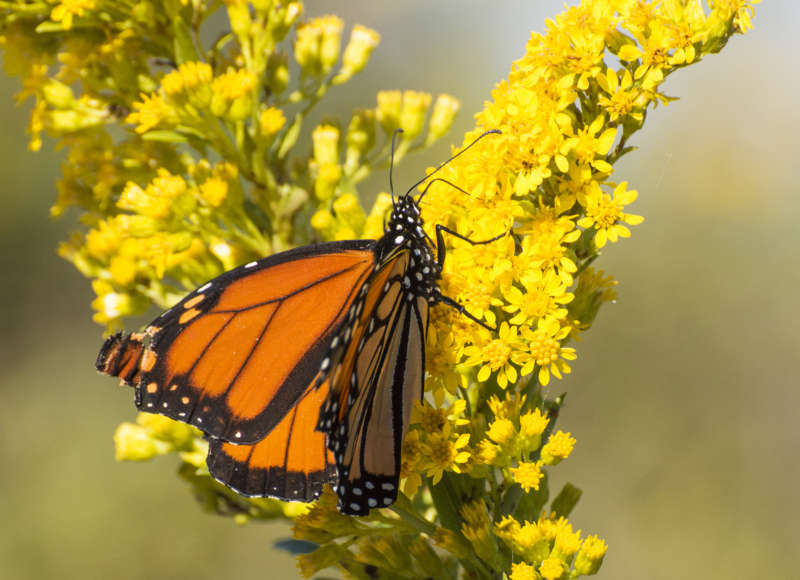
(183, 45)
(566, 500)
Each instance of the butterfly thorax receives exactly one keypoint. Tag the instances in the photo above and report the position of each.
(404, 232)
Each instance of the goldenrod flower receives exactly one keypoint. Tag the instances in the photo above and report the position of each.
(214, 191)
(326, 144)
(149, 112)
(443, 453)
(544, 298)
(67, 9)
(605, 213)
(134, 443)
(444, 113)
(271, 120)
(390, 104)
(528, 475)
(590, 555)
(413, 112)
(622, 98)
(476, 528)
(566, 543)
(552, 569)
(188, 77)
(362, 42)
(318, 43)
(523, 571)
(410, 458)
(544, 351)
(501, 431)
(557, 448)
(434, 419)
(495, 356)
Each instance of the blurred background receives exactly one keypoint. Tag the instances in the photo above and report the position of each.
(683, 399)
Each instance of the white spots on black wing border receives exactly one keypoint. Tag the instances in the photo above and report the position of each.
(358, 496)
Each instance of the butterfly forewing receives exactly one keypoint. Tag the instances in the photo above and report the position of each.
(236, 354)
(374, 386)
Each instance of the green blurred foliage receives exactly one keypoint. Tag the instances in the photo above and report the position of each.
(683, 399)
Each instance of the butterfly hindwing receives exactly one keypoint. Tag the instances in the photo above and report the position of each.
(292, 462)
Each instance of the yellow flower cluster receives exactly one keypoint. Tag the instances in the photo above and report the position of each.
(565, 116)
(550, 548)
(131, 252)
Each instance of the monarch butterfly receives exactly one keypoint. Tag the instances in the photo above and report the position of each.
(301, 368)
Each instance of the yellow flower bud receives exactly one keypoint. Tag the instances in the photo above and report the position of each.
(122, 269)
(412, 116)
(306, 48)
(110, 305)
(214, 191)
(271, 121)
(239, 17)
(590, 556)
(133, 443)
(326, 144)
(327, 180)
(390, 104)
(330, 42)
(58, 95)
(362, 42)
(501, 431)
(552, 569)
(557, 448)
(444, 113)
(349, 212)
(523, 571)
(323, 221)
(373, 226)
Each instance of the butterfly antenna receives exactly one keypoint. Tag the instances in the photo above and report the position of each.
(395, 135)
(443, 180)
(478, 138)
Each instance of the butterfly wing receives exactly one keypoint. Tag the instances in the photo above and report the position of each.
(291, 463)
(374, 385)
(235, 355)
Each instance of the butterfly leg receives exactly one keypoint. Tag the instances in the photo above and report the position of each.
(441, 253)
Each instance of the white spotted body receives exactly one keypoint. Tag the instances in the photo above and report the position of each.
(375, 382)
